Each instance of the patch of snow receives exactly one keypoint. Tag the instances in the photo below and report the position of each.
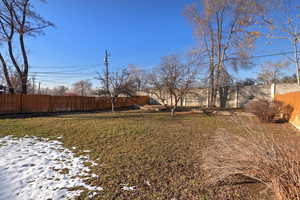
(36, 168)
(128, 188)
(148, 183)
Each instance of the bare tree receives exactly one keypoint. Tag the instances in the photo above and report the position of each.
(271, 72)
(82, 87)
(18, 17)
(118, 83)
(245, 82)
(223, 29)
(176, 78)
(15, 81)
(289, 79)
(6, 73)
(138, 75)
(156, 86)
(1, 77)
(59, 91)
(2, 86)
(285, 24)
(45, 91)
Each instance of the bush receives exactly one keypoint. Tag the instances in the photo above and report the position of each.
(272, 162)
(286, 112)
(266, 111)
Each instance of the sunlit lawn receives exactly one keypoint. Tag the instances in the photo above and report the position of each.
(154, 152)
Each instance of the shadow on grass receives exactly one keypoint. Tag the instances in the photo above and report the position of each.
(123, 113)
(110, 116)
(58, 114)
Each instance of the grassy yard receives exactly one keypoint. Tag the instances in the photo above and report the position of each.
(154, 152)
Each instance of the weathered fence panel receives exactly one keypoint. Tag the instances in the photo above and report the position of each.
(34, 103)
(10, 103)
(292, 99)
(44, 103)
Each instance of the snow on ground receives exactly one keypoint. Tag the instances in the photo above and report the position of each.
(128, 188)
(35, 168)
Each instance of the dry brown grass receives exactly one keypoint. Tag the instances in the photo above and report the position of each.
(268, 159)
(268, 111)
(265, 110)
(137, 148)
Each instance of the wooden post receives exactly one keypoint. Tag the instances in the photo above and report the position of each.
(273, 91)
(208, 98)
(237, 97)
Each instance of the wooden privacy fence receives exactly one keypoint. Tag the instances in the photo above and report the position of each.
(18, 103)
(292, 99)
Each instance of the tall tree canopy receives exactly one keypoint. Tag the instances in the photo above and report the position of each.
(226, 35)
(284, 24)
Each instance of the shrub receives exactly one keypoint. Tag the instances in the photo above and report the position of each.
(286, 112)
(272, 162)
(266, 111)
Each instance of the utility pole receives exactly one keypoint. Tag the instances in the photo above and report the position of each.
(39, 92)
(297, 60)
(106, 64)
(33, 84)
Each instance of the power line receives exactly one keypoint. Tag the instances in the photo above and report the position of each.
(44, 72)
(97, 65)
(268, 55)
(256, 56)
(65, 66)
(62, 75)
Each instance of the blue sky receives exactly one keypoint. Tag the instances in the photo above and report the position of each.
(136, 32)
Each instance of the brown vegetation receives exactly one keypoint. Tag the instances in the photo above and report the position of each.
(267, 111)
(258, 158)
(160, 155)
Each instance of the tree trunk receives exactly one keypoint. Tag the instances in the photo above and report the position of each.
(211, 86)
(172, 111)
(6, 75)
(181, 101)
(214, 97)
(174, 108)
(24, 84)
(26, 64)
(12, 57)
(112, 104)
(214, 88)
(297, 61)
(20, 73)
(223, 93)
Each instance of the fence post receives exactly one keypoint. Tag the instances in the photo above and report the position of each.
(237, 97)
(273, 91)
(208, 97)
